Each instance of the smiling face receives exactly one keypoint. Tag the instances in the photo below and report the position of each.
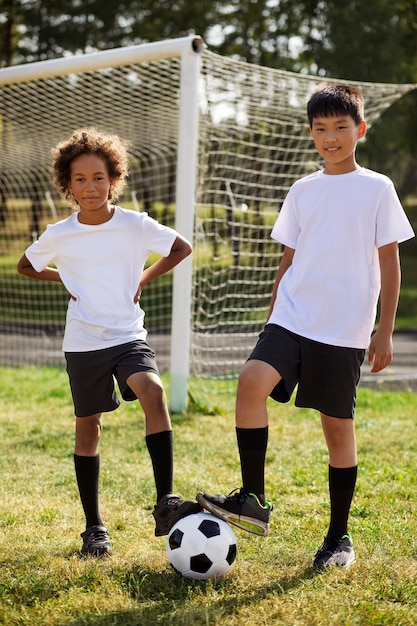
(335, 138)
(90, 185)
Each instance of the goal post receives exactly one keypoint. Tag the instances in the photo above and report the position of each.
(184, 223)
(215, 144)
(114, 57)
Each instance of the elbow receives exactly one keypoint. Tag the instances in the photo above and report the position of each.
(23, 265)
(20, 268)
(188, 249)
(184, 248)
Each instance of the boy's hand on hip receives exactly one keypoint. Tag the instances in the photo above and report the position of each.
(380, 351)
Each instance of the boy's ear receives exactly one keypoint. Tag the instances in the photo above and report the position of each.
(362, 129)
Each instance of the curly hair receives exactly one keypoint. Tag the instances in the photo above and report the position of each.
(110, 148)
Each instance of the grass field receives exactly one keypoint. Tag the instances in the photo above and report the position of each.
(43, 581)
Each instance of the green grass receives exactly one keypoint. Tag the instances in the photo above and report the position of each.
(45, 582)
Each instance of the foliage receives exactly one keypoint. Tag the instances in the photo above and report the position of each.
(371, 40)
(374, 40)
(45, 582)
(346, 40)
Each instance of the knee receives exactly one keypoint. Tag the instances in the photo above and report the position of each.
(87, 433)
(249, 385)
(154, 393)
(247, 379)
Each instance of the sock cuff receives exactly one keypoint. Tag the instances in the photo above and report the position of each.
(162, 436)
(252, 438)
(343, 477)
(86, 459)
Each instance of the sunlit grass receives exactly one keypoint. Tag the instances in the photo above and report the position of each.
(45, 582)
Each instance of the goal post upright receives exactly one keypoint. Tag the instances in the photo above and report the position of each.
(184, 224)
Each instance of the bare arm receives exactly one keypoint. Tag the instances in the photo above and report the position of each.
(26, 268)
(381, 348)
(181, 248)
(286, 262)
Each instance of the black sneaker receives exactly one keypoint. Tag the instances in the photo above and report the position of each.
(335, 551)
(239, 508)
(169, 510)
(96, 542)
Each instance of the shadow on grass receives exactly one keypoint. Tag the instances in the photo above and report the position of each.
(167, 598)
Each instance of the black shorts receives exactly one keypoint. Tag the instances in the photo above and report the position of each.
(327, 376)
(91, 375)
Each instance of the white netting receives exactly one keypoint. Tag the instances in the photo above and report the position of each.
(253, 144)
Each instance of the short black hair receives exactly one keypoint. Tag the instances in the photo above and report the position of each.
(331, 99)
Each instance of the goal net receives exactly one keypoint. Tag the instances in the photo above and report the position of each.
(252, 143)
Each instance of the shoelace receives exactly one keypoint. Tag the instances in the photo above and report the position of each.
(237, 494)
(98, 536)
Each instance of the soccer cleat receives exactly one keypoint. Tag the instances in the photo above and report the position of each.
(338, 552)
(96, 542)
(239, 508)
(169, 510)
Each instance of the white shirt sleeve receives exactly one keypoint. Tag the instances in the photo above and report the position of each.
(392, 223)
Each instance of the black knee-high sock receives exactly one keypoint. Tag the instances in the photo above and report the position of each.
(160, 448)
(252, 445)
(87, 470)
(342, 482)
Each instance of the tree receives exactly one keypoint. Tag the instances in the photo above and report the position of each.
(262, 31)
(375, 41)
(10, 21)
(364, 40)
(34, 30)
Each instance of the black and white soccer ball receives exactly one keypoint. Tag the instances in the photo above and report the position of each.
(201, 546)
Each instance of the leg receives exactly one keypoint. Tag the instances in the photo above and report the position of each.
(256, 381)
(148, 389)
(337, 548)
(87, 465)
(340, 439)
(87, 469)
(248, 509)
(87, 435)
(254, 386)
(150, 393)
(343, 465)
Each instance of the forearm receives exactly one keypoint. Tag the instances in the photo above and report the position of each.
(390, 290)
(160, 267)
(381, 347)
(25, 268)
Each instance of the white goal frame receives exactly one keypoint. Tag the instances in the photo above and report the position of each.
(229, 136)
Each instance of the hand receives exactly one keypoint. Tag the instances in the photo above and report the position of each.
(380, 351)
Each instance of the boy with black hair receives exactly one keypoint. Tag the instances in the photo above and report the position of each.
(99, 253)
(340, 228)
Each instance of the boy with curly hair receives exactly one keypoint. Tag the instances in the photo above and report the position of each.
(340, 228)
(99, 253)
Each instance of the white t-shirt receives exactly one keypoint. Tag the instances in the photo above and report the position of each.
(336, 225)
(101, 266)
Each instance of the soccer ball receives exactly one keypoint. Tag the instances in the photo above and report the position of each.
(201, 546)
